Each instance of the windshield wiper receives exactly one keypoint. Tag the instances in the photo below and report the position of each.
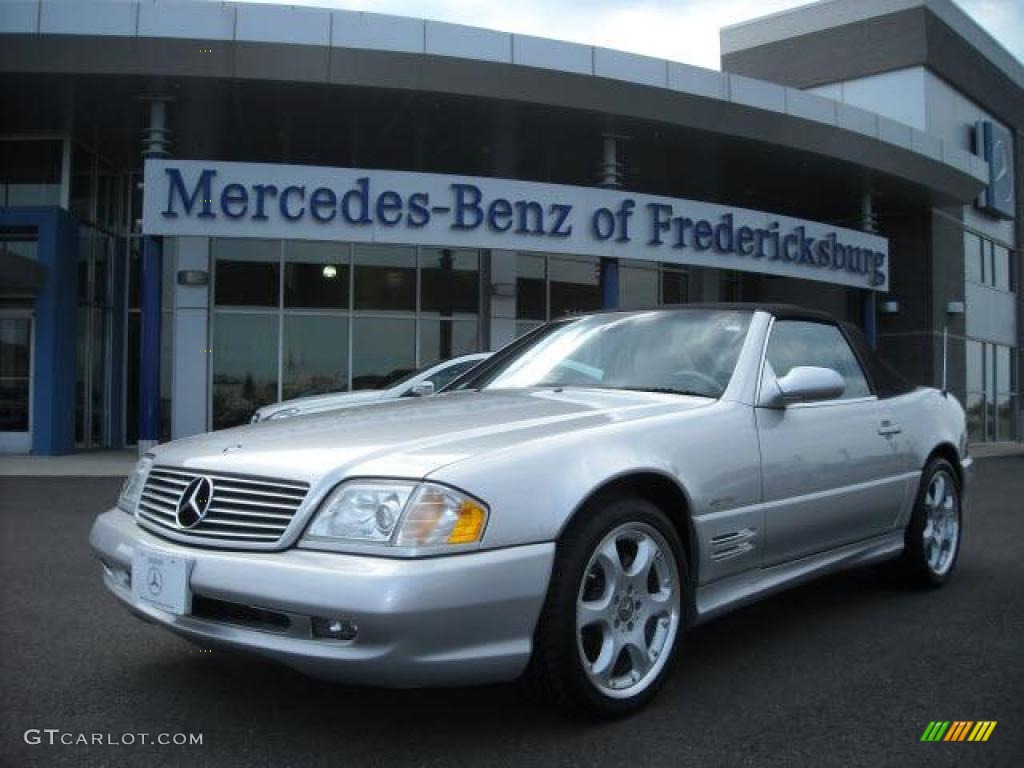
(668, 391)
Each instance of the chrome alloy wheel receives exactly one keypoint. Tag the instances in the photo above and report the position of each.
(941, 523)
(628, 610)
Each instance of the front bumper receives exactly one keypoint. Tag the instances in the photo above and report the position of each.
(450, 620)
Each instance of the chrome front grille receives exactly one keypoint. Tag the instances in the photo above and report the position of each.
(242, 510)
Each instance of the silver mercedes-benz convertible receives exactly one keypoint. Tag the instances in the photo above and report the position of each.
(562, 513)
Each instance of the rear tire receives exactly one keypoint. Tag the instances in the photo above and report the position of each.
(613, 617)
(931, 549)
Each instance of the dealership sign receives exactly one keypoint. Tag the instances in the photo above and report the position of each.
(215, 199)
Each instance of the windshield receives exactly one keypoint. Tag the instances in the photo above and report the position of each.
(690, 351)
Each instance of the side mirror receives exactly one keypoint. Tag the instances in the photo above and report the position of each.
(803, 384)
(423, 389)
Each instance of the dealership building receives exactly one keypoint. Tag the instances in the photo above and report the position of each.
(207, 207)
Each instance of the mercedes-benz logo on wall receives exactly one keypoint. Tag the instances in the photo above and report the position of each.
(194, 502)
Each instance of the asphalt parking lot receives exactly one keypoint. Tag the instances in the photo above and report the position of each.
(847, 671)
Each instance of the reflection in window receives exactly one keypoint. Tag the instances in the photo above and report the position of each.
(316, 275)
(531, 289)
(315, 355)
(385, 278)
(449, 281)
(244, 365)
(575, 285)
(247, 272)
(30, 172)
(675, 286)
(383, 350)
(638, 285)
(442, 339)
(796, 343)
(972, 257)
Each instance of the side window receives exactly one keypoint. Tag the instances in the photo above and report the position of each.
(795, 342)
(442, 377)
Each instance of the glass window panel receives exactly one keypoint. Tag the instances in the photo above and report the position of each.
(383, 350)
(1001, 265)
(449, 281)
(975, 417)
(244, 366)
(575, 285)
(990, 372)
(975, 366)
(972, 257)
(247, 272)
(442, 339)
(675, 286)
(19, 246)
(795, 343)
(1005, 423)
(447, 375)
(638, 285)
(986, 262)
(316, 275)
(315, 355)
(14, 347)
(14, 398)
(30, 172)
(531, 291)
(525, 326)
(82, 192)
(1003, 370)
(385, 278)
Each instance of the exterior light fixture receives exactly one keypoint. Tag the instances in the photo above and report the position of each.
(330, 271)
(890, 307)
(954, 308)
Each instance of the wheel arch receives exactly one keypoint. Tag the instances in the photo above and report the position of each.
(662, 490)
(947, 451)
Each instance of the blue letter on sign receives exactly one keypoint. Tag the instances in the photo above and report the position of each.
(201, 192)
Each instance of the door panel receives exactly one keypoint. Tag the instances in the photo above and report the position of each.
(829, 477)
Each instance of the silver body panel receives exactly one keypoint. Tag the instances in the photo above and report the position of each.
(333, 401)
(772, 497)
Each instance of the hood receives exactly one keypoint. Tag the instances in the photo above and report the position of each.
(315, 403)
(411, 437)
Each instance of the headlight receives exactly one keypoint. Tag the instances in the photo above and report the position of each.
(399, 514)
(283, 414)
(131, 491)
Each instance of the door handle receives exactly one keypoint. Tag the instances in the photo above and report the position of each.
(889, 427)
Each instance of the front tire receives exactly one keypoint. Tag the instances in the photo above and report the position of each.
(931, 548)
(614, 613)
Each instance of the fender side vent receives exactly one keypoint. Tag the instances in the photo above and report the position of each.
(732, 544)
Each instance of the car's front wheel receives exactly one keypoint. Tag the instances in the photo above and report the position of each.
(614, 611)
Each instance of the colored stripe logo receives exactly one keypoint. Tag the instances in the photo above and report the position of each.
(958, 730)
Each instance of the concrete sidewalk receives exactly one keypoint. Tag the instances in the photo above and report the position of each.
(99, 463)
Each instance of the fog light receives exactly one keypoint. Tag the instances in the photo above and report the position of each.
(334, 629)
(118, 574)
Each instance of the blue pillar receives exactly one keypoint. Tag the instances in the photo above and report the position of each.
(151, 270)
(870, 319)
(609, 283)
(119, 303)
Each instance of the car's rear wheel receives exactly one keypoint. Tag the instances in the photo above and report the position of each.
(932, 541)
(614, 612)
